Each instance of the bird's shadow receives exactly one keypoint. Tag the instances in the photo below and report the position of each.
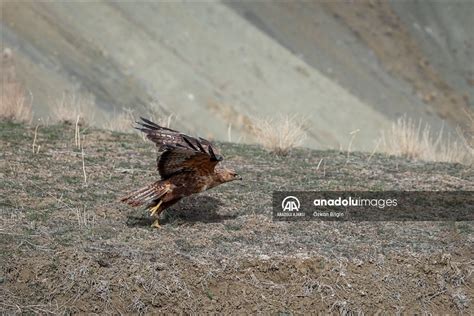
(187, 211)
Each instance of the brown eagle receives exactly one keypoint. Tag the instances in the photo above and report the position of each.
(186, 165)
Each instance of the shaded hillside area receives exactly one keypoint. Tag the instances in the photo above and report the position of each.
(68, 245)
(443, 33)
(398, 57)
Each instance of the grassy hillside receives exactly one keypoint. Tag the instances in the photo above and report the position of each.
(68, 245)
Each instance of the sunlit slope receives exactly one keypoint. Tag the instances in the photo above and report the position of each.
(203, 62)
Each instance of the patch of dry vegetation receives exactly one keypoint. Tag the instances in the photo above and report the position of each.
(75, 108)
(412, 140)
(467, 137)
(72, 106)
(279, 135)
(14, 105)
(124, 121)
(67, 247)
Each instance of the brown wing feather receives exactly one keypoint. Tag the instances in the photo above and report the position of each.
(181, 153)
(166, 138)
(180, 160)
(148, 193)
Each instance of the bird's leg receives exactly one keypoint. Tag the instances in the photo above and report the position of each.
(156, 224)
(155, 208)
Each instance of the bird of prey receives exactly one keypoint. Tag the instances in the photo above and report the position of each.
(187, 165)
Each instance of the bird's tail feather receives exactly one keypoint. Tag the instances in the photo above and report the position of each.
(146, 194)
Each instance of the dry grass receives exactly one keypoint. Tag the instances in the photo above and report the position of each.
(79, 249)
(79, 110)
(467, 136)
(84, 218)
(34, 147)
(71, 106)
(14, 105)
(279, 135)
(412, 140)
(123, 122)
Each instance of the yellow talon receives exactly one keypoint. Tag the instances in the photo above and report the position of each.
(156, 224)
(155, 208)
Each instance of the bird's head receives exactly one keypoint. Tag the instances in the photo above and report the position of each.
(227, 175)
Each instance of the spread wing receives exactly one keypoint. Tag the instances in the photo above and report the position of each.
(181, 153)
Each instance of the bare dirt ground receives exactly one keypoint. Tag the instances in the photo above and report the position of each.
(69, 247)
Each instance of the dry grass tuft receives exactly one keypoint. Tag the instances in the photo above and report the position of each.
(416, 141)
(467, 136)
(279, 135)
(34, 147)
(14, 105)
(85, 219)
(71, 106)
(123, 122)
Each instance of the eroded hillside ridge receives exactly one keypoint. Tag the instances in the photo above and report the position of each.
(232, 62)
